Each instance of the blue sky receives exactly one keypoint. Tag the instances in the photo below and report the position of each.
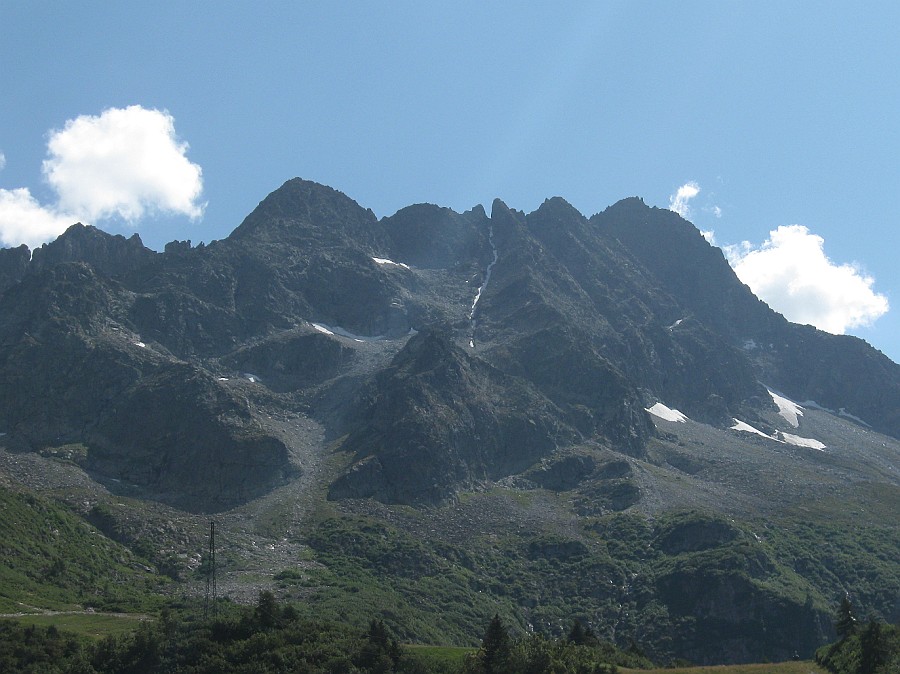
(782, 115)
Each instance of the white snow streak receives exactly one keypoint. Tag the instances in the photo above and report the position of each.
(487, 274)
(788, 409)
(747, 428)
(384, 260)
(783, 438)
(803, 442)
(340, 332)
(487, 279)
(666, 413)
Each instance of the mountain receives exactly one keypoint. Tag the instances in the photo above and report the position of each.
(546, 415)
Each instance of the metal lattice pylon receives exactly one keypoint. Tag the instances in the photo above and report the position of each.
(212, 594)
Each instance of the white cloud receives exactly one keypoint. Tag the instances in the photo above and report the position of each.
(24, 220)
(2, 161)
(791, 272)
(125, 162)
(678, 202)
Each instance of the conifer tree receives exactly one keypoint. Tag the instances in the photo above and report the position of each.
(577, 634)
(845, 623)
(495, 648)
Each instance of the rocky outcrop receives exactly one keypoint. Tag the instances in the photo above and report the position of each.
(432, 237)
(74, 371)
(716, 584)
(113, 256)
(563, 474)
(438, 420)
(692, 532)
(13, 264)
(182, 437)
(292, 360)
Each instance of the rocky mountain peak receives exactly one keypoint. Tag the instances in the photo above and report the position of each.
(431, 237)
(301, 210)
(112, 255)
(13, 263)
(557, 208)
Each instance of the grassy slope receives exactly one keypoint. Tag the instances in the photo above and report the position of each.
(92, 625)
(798, 667)
(51, 559)
(443, 593)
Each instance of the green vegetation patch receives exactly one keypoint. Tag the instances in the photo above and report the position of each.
(92, 625)
(873, 648)
(793, 667)
(438, 659)
(50, 558)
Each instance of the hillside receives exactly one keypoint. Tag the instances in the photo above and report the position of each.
(438, 416)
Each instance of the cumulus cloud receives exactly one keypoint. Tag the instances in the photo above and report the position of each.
(791, 272)
(126, 163)
(24, 220)
(678, 202)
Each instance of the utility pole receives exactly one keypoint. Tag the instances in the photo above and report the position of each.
(211, 590)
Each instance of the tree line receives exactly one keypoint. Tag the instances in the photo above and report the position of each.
(272, 637)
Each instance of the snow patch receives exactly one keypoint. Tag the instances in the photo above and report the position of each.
(747, 428)
(788, 409)
(666, 413)
(783, 438)
(384, 260)
(252, 378)
(803, 442)
(676, 324)
(340, 332)
(140, 344)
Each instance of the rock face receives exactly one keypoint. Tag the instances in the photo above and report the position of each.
(784, 355)
(447, 349)
(109, 255)
(13, 263)
(436, 420)
(73, 372)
